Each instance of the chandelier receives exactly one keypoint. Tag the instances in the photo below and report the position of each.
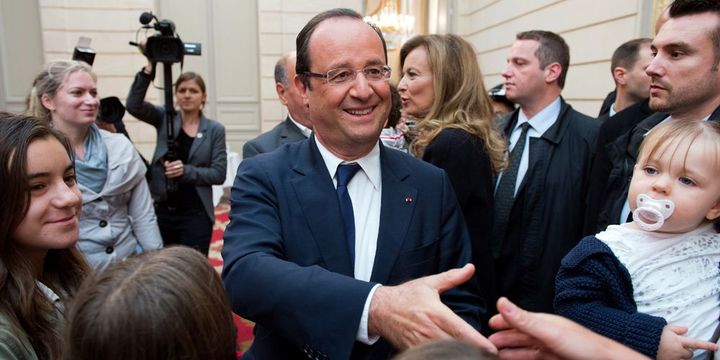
(395, 26)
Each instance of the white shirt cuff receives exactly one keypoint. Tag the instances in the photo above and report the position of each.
(362, 333)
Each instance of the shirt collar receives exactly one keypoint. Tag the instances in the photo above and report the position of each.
(542, 120)
(370, 163)
(303, 129)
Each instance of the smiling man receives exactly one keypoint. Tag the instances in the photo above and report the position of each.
(308, 255)
(684, 85)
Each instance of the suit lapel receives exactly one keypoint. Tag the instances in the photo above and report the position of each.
(316, 194)
(397, 206)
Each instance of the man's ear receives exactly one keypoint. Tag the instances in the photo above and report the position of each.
(280, 90)
(302, 89)
(552, 72)
(619, 74)
(47, 102)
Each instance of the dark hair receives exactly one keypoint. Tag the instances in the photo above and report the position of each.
(395, 106)
(188, 76)
(281, 71)
(627, 54)
(553, 48)
(302, 42)
(165, 304)
(446, 350)
(22, 301)
(680, 8)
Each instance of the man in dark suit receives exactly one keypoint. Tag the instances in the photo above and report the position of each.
(539, 198)
(296, 126)
(628, 65)
(308, 255)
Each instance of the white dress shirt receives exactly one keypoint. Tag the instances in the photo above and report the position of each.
(303, 129)
(365, 190)
(538, 125)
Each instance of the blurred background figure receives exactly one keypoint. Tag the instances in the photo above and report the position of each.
(500, 103)
(162, 305)
(181, 186)
(297, 125)
(41, 267)
(117, 213)
(393, 135)
(627, 67)
(442, 87)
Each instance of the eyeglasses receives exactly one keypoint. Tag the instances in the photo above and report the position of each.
(342, 76)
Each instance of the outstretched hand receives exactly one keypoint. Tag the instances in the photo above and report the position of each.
(525, 335)
(412, 313)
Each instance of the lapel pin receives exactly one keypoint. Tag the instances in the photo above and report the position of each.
(199, 135)
(408, 200)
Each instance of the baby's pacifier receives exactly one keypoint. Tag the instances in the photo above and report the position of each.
(651, 213)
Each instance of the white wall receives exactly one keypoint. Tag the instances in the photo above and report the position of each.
(280, 22)
(592, 29)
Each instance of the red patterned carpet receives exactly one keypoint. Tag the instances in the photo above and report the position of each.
(244, 327)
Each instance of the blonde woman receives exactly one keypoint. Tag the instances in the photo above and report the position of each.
(442, 88)
(117, 212)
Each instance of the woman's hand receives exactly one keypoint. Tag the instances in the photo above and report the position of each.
(174, 169)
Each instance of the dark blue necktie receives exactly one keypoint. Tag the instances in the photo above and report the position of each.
(505, 192)
(345, 173)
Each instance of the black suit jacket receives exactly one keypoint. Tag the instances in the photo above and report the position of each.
(546, 222)
(610, 130)
(283, 133)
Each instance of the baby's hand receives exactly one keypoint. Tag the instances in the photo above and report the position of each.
(673, 345)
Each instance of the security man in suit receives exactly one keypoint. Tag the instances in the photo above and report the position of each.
(296, 126)
(338, 247)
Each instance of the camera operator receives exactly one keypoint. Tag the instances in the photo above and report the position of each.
(185, 216)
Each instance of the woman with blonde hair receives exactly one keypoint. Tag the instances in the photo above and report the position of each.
(442, 88)
(117, 213)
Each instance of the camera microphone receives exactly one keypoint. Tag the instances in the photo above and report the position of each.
(146, 17)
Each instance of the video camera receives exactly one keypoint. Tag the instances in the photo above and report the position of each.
(165, 46)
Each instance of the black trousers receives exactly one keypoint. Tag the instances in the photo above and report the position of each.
(191, 228)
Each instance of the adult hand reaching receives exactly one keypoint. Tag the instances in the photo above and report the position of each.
(412, 313)
(526, 335)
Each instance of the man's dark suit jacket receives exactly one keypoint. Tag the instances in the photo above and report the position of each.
(547, 215)
(611, 129)
(283, 133)
(287, 266)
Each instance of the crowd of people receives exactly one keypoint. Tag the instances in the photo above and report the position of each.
(378, 220)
